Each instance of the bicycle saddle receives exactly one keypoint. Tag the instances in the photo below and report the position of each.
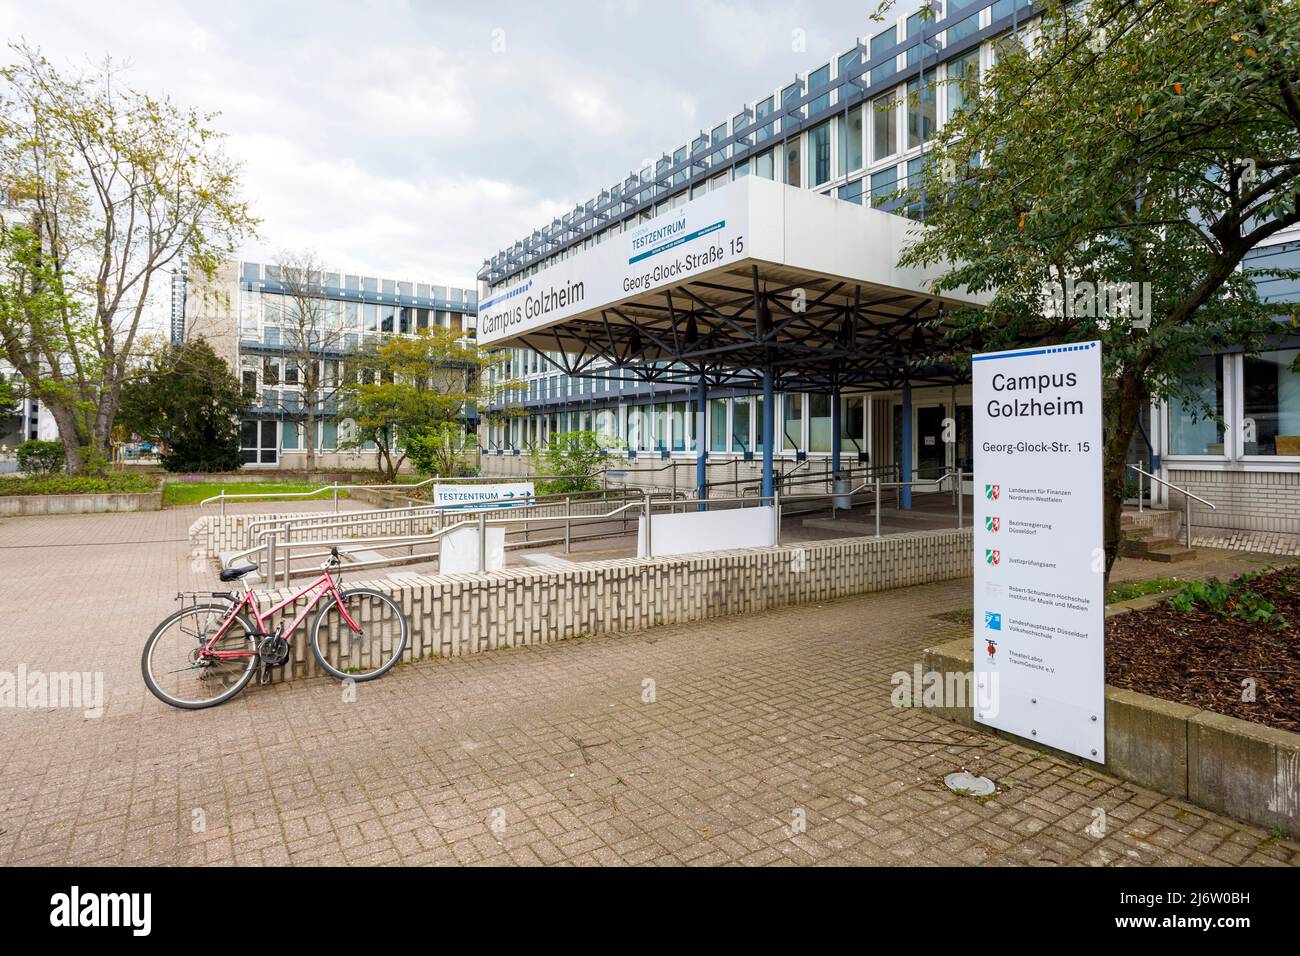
(234, 574)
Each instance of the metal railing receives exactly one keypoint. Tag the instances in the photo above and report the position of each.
(277, 556)
(878, 487)
(1188, 498)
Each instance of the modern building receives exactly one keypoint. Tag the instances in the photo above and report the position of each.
(854, 129)
(245, 312)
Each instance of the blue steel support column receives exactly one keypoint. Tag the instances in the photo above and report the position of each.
(701, 448)
(769, 414)
(905, 496)
(835, 433)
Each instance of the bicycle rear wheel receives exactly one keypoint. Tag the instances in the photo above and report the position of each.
(347, 655)
(176, 671)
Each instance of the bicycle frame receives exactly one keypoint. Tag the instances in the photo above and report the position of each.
(249, 601)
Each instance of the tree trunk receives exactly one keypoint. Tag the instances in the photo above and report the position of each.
(311, 435)
(1130, 393)
(70, 435)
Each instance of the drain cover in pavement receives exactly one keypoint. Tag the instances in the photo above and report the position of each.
(969, 785)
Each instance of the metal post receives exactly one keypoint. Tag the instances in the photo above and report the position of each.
(769, 428)
(905, 492)
(568, 524)
(287, 551)
(270, 561)
(1139, 474)
(482, 541)
(336, 497)
(1187, 519)
(877, 507)
(701, 447)
(223, 502)
(649, 551)
(776, 518)
(960, 503)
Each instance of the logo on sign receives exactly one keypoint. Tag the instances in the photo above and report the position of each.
(992, 650)
(993, 620)
(992, 522)
(992, 556)
(992, 492)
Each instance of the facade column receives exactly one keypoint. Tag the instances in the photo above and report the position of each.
(769, 413)
(905, 495)
(835, 433)
(701, 447)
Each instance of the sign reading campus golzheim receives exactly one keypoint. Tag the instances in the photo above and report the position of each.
(702, 235)
(1039, 587)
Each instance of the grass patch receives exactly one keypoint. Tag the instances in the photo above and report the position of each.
(193, 492)
(1127, 591)
(1136, 589)
(112, 483)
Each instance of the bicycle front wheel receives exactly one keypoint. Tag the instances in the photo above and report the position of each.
(179, 673)
(367, 650)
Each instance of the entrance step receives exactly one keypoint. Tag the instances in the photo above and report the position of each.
(1165, 550)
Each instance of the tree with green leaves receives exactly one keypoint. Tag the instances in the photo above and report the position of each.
(1147, 142)
(109, 189)
(187, 401)
(575, 459)
(404, 391)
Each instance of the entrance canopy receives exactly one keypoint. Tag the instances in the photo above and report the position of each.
(753, 277)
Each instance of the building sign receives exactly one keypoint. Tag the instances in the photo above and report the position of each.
(1039, 586)
(697, 237)
(504, 495)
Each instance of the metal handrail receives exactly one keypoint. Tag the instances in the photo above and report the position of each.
(474, 517)
(1187, 500)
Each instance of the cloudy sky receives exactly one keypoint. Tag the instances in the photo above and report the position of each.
(414, 139)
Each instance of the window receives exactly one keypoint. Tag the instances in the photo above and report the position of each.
(817, 80)
(920, 112)
(681, 175)
(883, 185)
(819, 423)
(965, 28)
(763, 113)
(879, 44)
(1284, 255)
(853, 410)
(884, 126)
(718, 135)
(1193, 429)
(963, 81)
(765, 164)
(270, 372)
(740, 425)
(789, 95)
(851, 140)
(1271, 403)
(819, 150)
(758, 423)
(792, 423)
(852, 192)
(917, 198)
(792, 162)
(717, 424)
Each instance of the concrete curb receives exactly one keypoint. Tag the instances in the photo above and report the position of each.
(1232, 766)
(16, 505)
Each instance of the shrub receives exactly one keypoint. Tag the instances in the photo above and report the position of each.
(77, 485)
(40, 457)
(1228, 599)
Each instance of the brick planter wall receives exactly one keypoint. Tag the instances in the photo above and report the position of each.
(453, 615)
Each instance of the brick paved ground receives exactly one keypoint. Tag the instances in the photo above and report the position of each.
(756, 720)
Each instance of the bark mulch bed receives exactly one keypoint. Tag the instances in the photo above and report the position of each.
(1200, 658)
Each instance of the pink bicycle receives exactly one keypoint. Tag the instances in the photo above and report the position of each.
(205, 654)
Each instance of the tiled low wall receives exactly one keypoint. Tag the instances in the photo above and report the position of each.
(1243, 500)
(453, 615)
(79, 504)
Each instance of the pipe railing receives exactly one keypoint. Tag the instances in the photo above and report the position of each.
(1188, 498)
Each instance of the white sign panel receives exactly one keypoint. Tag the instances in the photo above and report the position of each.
(501, 495)
(1039, 589)
(458, 551)
(693, 531)
(697, 237)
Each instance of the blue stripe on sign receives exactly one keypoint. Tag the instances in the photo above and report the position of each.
(721, 223)
(1056, 348)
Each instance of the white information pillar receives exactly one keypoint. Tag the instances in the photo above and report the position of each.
(1039, 584)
